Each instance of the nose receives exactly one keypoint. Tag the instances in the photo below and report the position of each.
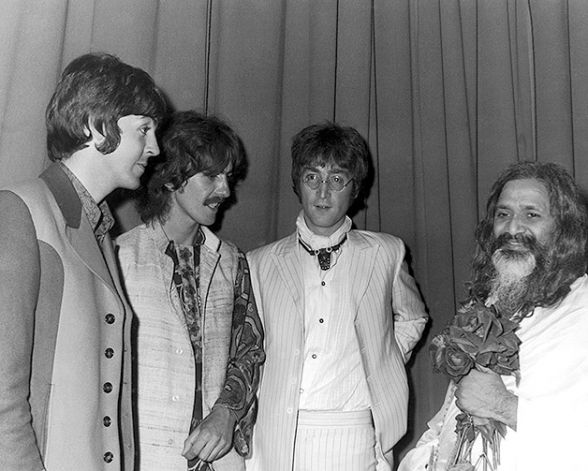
(515, 226)
(222, 185)
(324, 188)
(151, 147)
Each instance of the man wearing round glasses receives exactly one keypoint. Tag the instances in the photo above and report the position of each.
(341, 316)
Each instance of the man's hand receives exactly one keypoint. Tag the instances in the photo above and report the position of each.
(213, 437)
(483, 394)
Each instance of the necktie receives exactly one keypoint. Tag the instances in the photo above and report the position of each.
(324, 255)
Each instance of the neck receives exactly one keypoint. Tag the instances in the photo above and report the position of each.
(80, 163)
(180, 233)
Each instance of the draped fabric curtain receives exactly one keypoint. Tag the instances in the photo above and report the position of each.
(447, 92)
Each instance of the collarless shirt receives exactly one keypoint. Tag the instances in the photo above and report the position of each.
(333, 377)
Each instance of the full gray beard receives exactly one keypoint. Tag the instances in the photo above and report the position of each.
(510, 285)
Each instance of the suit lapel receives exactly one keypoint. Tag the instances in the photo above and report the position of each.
(286, 260)
(209, 258)
(363, 258)
(78, 230)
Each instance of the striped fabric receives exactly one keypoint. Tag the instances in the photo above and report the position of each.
(389, 320)
(346, 443)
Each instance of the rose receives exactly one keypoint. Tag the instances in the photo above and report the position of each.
(474, 317)
(458, 363)
(449, 358)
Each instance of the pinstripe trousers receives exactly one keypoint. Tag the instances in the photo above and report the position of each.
(335, 441)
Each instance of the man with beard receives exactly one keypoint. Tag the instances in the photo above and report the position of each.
(199, 338)
(530, 265)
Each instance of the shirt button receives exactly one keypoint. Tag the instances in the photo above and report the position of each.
(107, 387)
(107, 421)
(179, 351)
(314, 356)
(109, 353)
(321, 320)
(175, 398)
(108, 457)
(289, 410)
(323, 283)
(109, 318)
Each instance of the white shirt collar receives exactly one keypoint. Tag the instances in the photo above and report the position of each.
(316, 241)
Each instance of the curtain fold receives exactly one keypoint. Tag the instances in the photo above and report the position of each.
(447, 92)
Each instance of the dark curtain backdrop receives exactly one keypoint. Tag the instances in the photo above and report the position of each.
(448, 92)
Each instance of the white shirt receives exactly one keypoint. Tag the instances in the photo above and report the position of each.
(333, 377)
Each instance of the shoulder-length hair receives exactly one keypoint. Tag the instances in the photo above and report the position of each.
(568, 248)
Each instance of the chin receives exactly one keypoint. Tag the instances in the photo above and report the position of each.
(131, 184)
(514, 267)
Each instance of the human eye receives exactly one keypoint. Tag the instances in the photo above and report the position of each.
(338, 179)
(501, 214)
(311, 177)
(533, 215)
(145, 129)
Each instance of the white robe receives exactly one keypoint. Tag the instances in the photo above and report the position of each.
(552, 416)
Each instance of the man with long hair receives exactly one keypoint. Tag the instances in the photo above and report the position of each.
(530, 266)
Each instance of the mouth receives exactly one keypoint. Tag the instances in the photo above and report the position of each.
(515, 245)
(214, 203)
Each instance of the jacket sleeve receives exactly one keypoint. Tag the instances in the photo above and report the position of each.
(410, 316)
(245, 359)
(19, 289)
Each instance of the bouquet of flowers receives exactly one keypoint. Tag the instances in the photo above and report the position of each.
(477, 337)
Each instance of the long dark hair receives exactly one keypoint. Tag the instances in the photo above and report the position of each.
(567, 252)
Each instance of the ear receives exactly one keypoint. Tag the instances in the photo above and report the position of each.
(94, 134)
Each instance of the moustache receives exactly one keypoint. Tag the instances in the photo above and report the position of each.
(506, 243)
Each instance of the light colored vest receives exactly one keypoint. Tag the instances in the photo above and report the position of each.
(166, 373)
(81, 424)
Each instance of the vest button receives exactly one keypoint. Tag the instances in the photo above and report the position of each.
(107, 387)
(109, 353)
(108, 457)
(109, 318)
(107, 421)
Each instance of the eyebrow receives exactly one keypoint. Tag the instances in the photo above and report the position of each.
(335, 170)
(525, 207)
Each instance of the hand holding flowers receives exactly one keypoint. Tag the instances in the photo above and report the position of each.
(477, 340)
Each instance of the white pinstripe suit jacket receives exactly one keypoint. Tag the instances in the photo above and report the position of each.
(389, 320)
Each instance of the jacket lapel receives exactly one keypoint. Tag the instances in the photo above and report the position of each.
(78, 230)
(286, 260)
(209, 258)
(363, 256)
